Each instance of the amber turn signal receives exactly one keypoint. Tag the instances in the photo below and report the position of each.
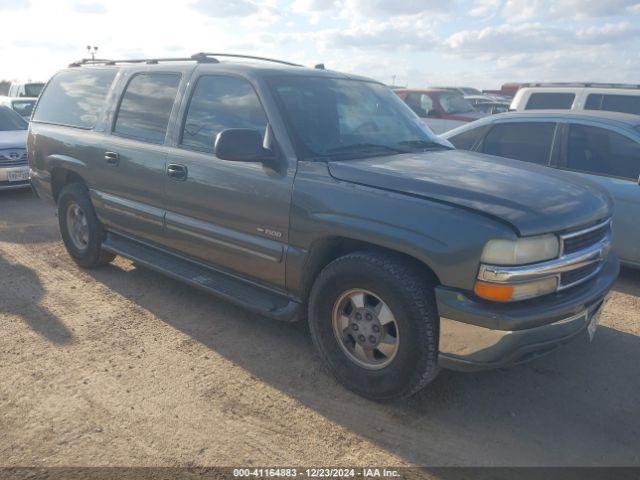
(493, 291)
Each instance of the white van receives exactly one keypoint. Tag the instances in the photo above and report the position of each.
(609, 97)
(25, 89)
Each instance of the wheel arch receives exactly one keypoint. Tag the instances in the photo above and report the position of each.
(61, 176)
(325, 250)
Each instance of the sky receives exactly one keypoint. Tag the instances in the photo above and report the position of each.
(417, 43)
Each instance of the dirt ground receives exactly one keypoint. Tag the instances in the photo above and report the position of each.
(122, 366)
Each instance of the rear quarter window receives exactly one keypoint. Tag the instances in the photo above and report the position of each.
(550, 101)
(75, 97)
(613, 103)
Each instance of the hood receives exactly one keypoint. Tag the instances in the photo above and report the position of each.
(13, 139)
(531, 198)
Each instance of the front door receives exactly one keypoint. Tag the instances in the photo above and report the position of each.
(612, 160)
(231, 215)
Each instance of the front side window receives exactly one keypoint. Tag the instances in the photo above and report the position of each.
(454, 103)
(550, 101)
(329, 116)
(75, 97)
(467, 139)
(599, 151)
(613, 103)
(527, 141)
(146, 106)
(420, 103)
(219, 103)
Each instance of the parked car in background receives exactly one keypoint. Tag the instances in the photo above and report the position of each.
(14, 171)
(601, 146)
(23, 106)
(578, 97)
(440, 109)
(464, 91)
(492, 108)
(307, 193)
(32, 89)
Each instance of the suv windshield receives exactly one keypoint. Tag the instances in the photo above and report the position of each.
(339, 117)
(33, 89)
(455, 103)
(10, 120)
(470, 91)
(23, 107)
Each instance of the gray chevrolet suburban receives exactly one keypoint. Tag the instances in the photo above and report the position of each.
(309, 194)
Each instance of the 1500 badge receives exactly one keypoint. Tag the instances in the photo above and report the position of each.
(269, 232)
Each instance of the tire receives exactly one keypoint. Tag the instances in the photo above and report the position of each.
(86, 248)
(409, 294)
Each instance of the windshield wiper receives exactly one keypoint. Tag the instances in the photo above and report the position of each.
(364, 147)
(425, 144)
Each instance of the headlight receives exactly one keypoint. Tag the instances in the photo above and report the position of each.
(521, 251)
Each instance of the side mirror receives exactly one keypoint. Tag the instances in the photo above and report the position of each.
(242, 145)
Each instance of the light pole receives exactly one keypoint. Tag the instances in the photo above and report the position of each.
(92, 51)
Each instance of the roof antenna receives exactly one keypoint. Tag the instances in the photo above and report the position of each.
(319, 66)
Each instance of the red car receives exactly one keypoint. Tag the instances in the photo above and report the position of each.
(441, 109)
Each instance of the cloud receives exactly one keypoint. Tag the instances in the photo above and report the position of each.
(391, 8)
(96, 8)
(13, 4)
(527, 10)
(384, 36)
(310, 6)
(225, 8)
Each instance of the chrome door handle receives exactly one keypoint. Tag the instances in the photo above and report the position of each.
(112, 158)
(177, 171)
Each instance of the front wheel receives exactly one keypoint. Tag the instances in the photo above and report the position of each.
(374, 320)
(81, 230)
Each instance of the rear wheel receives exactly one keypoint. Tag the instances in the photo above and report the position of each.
(374, 320)
(81, 230)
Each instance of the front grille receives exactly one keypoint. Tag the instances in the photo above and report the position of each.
(13, 158)
(579, 274)
(573, 244)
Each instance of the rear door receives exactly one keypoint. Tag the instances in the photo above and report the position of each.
(612, 159)
(232, 215)
(132, 168)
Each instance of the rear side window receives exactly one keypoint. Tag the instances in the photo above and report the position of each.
(613, 103)
(219, 103)
(527, 141)
(599, 151)
(146, 106)
(550, 100)
(75, 97)
(466, 140)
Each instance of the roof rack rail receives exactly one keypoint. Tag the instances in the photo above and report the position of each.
(205, 55)
(582, 84)
(150, 61)
(201, 57)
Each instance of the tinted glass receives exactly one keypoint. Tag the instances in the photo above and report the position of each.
(454, 103)
(219, 103)
(543, 101)
(530, 142)
(329, 117)
(614, 103)
(23, 107)
(33, 89)
(146, 106)
(10, 120)
(600, 151)
(75, 97)
(467, 139)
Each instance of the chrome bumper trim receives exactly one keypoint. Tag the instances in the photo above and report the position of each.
(595, 253)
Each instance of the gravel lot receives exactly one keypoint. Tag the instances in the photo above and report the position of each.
(122, 366)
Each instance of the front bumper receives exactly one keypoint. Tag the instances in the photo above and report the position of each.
(476, 334)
